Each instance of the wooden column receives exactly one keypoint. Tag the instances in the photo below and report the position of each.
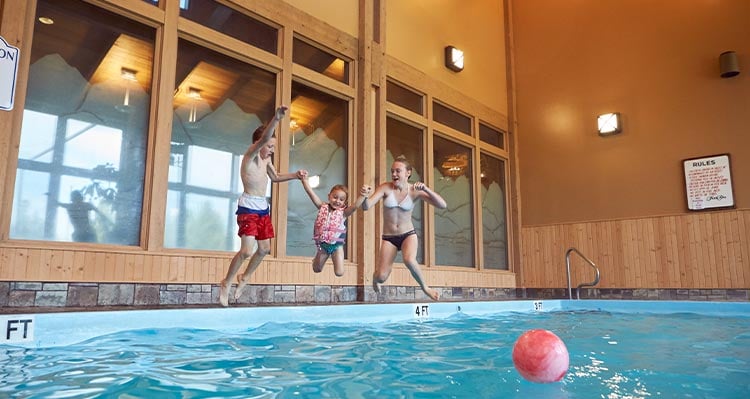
(155, 198)
(368, 139)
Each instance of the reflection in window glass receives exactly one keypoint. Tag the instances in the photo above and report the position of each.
(201, 176)
(319, 144)
(88, 209)
(30, 197)
(219, 102)
(172, 219)
(494, 226)
(84, 131)
(37, 136)
(454, 226)
(320, 61)
(226, 20)
(89, 145)
(176, 162)
(491, 136)
(451, 118)
(404, 97)
(207, 213)
(407, 140)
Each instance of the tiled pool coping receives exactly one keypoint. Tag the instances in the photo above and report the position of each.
(101, 296)
(65, 328)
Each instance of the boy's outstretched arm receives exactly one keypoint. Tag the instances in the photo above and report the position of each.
(255, 147)
(282, 177)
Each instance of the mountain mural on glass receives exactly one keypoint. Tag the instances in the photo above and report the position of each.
(494, 230)
(235, 125)
(89, 116)
(454, 235)
(56, 88)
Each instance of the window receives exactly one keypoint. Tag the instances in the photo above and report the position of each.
(218, 104)
(404, 139)
(320, 61)
(454, 226)
(491, 136)
(319, 144)
(221, 18)
(404, 97)
(494, 222)
(83, 138)
(451, 118)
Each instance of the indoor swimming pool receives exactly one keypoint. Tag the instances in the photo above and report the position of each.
(618, 349)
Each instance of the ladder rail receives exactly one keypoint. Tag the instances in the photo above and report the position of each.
(567, 265)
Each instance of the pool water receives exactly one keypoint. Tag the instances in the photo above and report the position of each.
(612, 355)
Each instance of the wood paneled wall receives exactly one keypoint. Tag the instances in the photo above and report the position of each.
(697, 250)
(76, 265)
(104, 266)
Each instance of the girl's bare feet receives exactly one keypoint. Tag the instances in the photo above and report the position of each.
(432, 293)
(376, 286)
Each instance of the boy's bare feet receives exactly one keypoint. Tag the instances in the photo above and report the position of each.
(241, 283)
(224, 294)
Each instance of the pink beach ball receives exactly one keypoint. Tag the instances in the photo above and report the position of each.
(540, 356)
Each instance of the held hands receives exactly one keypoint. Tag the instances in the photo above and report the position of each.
(301, 174)
(365, 191)
(281, 112)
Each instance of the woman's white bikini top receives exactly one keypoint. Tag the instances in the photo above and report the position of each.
(406, 204)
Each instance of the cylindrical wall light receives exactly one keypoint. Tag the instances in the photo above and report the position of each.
(728, 64)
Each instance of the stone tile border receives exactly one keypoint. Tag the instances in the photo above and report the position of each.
(15, 295)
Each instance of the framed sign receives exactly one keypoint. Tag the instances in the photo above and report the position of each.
(8, 69)
(708, 182)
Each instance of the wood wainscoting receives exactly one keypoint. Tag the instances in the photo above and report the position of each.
(702, 250)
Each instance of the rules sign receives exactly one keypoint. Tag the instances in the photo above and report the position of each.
(8, 70)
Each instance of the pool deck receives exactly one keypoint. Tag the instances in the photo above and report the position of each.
(65, 328)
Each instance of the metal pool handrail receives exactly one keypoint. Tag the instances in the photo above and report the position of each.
(567, 265)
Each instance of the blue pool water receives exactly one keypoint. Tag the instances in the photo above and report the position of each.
(613, 354)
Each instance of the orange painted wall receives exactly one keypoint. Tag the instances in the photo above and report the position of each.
(657, 63)
(418, 31)
(343, 15)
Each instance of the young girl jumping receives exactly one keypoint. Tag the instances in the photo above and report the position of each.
(329, 227)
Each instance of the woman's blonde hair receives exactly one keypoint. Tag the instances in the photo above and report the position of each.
(402, 159)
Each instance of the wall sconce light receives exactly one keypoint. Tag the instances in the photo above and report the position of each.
(454, 59)
(728, 64)
(609, 124)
